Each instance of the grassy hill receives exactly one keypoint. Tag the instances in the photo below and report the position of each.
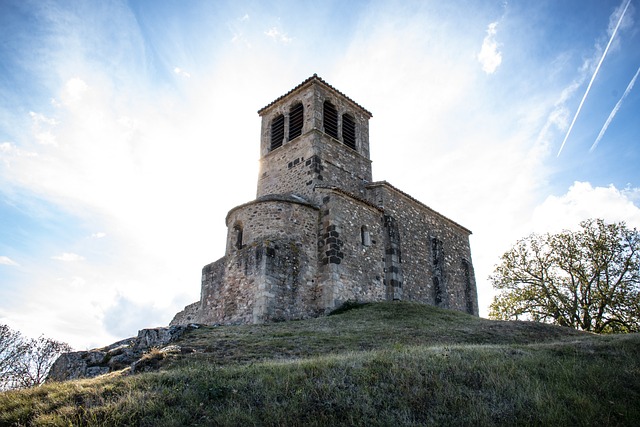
(376, 364)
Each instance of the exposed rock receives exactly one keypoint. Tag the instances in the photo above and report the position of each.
(122, 354)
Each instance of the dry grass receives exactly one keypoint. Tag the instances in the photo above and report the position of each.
(382, 364)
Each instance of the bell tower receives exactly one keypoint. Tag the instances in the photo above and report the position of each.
(312, 136)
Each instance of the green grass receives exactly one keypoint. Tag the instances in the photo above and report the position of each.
(379, 364)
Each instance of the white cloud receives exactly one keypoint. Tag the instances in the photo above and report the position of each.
(5, 260)
(277, 35)
(42, 128)
(583, 201)
(73, 91)
(179, 71)
(68, 257)
(489, 56)
(98, 235)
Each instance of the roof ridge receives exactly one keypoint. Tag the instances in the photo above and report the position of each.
(306, 81)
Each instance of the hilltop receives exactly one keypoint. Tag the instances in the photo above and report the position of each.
(373, 364)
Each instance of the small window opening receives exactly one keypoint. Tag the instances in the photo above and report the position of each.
(296, 117)
(349, 131)
(238, 229)
(437, 258)
(277, 132)
(330, 119)
(437, 290)
(365, 236)
(468, 292)
(436, 253)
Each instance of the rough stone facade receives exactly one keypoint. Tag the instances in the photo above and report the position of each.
(321, 233)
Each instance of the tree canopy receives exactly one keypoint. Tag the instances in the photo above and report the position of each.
(587, 279)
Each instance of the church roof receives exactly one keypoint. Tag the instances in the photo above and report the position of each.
(307, 81)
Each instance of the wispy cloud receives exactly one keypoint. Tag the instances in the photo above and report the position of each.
(5, 260)
(489, 56)
(615, 111)
(68, 257)
(179, 71)
(98, 235)
(278, 35)
(42, 128)
(593, 77)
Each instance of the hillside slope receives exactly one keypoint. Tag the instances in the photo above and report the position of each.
(377, 364)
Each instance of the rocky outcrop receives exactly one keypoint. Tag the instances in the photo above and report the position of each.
(129, 353)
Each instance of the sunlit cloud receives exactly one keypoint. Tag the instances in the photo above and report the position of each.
(593, 77)
(179, 71)
(73, 91)
(42, 128)
(583, 201)
(98, 235)
(68, 257)
(5, 260)
(489, 56)
(275, 34)
(614, 111)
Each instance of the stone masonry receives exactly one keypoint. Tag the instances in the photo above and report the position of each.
(321, 233)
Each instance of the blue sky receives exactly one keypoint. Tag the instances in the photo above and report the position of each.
(129, 129)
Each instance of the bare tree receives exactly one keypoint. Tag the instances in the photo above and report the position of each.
(12, 349)
(26, 362)
(588, 279)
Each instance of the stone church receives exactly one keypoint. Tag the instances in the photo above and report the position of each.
(320, 231)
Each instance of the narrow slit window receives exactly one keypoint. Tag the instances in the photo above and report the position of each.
(238, 229)
(349, 131)
(277, 132)
(330, 116)
(437, 258)
(296, 116)
(365, 236)
(468, 291)
(437, 291)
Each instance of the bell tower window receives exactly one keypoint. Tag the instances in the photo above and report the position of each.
(277, 132)
(296, 116)
(349, 131)
(330, 116)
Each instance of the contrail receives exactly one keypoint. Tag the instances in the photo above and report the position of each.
(595, 73)
(614, 111)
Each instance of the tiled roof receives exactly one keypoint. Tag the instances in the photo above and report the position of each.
(307, 81)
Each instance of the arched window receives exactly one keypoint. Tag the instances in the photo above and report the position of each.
(349, 131)
(238, 230)
(277, 131)
(296, 116)
(365, 236)
(330, 117)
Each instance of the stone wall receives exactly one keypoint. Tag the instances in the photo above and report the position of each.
(436, 257)
(350, 249)
(309, 160)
